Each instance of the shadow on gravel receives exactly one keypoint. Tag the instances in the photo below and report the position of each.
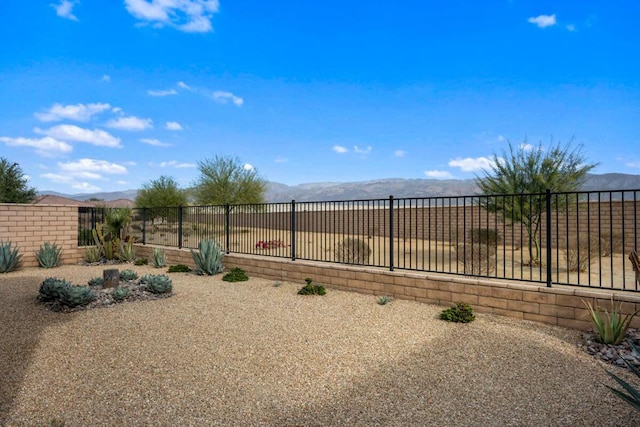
(22, 322)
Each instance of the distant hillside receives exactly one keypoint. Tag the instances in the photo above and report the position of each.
(381, 189)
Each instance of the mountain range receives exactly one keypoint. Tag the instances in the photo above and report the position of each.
(380, 189)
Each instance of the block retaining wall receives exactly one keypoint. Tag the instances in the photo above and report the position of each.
(560, 305)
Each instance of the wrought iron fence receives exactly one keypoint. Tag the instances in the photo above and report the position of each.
(581, 238)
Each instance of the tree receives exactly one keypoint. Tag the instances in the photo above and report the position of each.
(226, 180)
(13, 184)
(160, 193)
(526, 173)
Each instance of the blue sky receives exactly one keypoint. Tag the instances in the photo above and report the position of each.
(106, 95)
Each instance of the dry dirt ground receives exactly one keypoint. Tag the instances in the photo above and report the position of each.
(256, 353)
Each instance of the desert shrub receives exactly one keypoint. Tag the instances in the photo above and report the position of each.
(92, 254)
(486, 236)
(479, 259)
(632, 397)
(208, 259)
(611, 243)
(179, 268)
(141, 261)
(579, 253)
(610, 326)
(128, 275)
(74, 296)
(311, 289)
(460, 312)
(48, 255)
(236, 275)
(158, 259)
(10, 258)
(96, 281)
(51, 288)
(352, 251)
(157, 283)
(120, 293)
(384, 300)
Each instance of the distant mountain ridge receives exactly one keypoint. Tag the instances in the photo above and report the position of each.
(380, 189)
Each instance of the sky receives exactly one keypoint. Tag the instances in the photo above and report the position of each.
(108, 95)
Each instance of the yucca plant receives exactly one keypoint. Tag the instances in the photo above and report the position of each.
(73, 296)
(49, 255)
(208, 259)
(127, 251)
(10, 259)
(92, 254)
(633, 398)
(51, 288)
(610, 326)
(158, 260)
(157, 283)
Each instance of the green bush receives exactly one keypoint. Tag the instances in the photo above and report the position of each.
(10, 259)
(460, 312)
(236, 275)
(179, 268)
(158, 260)
(51, 288)
(311, 289)
(96, 281)
(157, 283)
(74, 296)
(48, 255)
(610, 326)
(120, 293)
(208, 259)
(352, 251)
(141, 261)
(633, 396)
(128, 275)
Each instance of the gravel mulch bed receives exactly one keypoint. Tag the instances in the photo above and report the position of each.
(251, 353)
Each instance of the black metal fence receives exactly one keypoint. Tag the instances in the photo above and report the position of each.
(581, 238)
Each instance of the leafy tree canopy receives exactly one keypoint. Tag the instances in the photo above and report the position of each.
(160, 193)
(226, 180)
(14, 186)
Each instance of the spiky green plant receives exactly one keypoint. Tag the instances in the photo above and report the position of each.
(128, 275)
(74, 296)
(120, 293)
(236, 275)
(92, 254)
(49, 255)
(311, 289)
(208, 259)
(610, 326)
(633, 396)
(158, 260)
(157, 283)
(141, 261)
(460, 312)
(51, 288)
(127, 251)
(179, 268)
(10, 259)
(96, 281)
(384, 300)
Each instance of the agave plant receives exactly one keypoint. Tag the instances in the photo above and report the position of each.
(73, 296)
(633, 396)
(157, 283)
(610, 326)
(208, 259)
(49, 255)
(92, 254)
(158, 260)
(10, 259)
(120, 293)
(128, 275)
(51, 288)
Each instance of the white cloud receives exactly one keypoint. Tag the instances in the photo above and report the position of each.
(501, 138)
(185, 86)
(106, 78)
(471, 165)
(543, 21)
(191, 16)
(526, 147)
(281, 159)
(438, 174)
(177, 165)
(155, 142)
(78, 134)
(120, 182)
(224, 97)
(571, 27)
(77, 112)
(85, 187)
(340, 149)
(248, 167)
(81, 167)
(359, 150)
(65, 9)
(162, 92)
(130, 123)
(173, 126)
(633, 164)
(47, 146)
(399, 153)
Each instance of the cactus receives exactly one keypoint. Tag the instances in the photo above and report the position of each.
(157, 283)
(208, 259)
(10, 259)
(158, 260)
(120, 293)
(74, 296)
(51, 288)
(49, 255)
(128, 275)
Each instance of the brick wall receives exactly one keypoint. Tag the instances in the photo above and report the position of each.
(29, 226)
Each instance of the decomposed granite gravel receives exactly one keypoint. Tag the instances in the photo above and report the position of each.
(251, 353)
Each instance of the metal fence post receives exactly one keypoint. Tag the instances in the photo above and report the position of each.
(391, 253)
(144, 225)
(549, 245)
(293, 230)
(227, 220)
(179, 227)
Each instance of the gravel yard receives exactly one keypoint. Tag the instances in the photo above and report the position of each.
(252, 353)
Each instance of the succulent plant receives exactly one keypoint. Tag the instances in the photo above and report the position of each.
(236, 275)
(51, 288)
(96, 281)
(311, 289)
(48, 255)
(120, 293)
(384, 300)
(128, 275)
(92, 254)
(208, 259)
(10, 259)
(158, 260)
(74, 296)
(157, 283)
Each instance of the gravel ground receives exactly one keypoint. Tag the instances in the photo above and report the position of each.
(252, 353)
